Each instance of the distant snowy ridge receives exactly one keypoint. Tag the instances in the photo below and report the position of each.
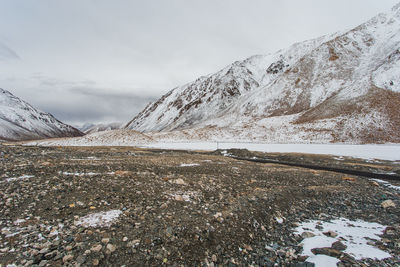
(343, 87)
(21, 121)
(89, 128)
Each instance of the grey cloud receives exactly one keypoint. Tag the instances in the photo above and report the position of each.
(95, 105)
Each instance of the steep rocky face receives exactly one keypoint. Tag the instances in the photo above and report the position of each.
(21, 121)
(349, 81)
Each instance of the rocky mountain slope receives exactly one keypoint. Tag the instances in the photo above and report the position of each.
(343, 87)
(21, 121)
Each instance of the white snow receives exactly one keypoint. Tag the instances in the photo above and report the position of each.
(100, 219)
(323, 261)
(88, 158)
(387, 184)
(22, 177)
(79, 173)
(353, 234)
(85, 173)
(19, 221)
(189, 164)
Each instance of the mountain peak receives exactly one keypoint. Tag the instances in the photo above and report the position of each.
(20, 121)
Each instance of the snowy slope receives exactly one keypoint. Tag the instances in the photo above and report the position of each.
(339, 88)
(120, 137)
(21, 121)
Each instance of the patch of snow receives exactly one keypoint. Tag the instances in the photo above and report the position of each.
(79, 173)
(19, 221)
(186, 196)
(353, 234)
(100, 219)
(387, 184)
(339, 158)
(12, 234)
(88, 158)
(226, 154)
(323, 261)
(23, 177)
(189, 164)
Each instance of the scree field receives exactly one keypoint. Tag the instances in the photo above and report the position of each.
(119, 206)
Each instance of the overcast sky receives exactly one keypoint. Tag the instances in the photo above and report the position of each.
(104, 60)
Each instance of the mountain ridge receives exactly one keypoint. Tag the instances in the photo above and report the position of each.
(21, 121)
(341, 79)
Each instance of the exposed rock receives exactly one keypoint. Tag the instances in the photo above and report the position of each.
(326, 251)
(307, 234)
(68, 258)
(388, 204)
(338, 246)
(96, 248)
(330, 234)
(111, 247)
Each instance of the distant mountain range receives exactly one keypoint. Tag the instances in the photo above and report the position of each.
(343, 87)
(89, 128)
(21, 121)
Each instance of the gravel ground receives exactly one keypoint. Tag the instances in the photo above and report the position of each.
(136, 207)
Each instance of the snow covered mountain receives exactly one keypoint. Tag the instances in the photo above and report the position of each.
(89, 128)
(344, 87)
(21, 121)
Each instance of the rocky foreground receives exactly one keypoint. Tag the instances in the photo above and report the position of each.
(136, 207)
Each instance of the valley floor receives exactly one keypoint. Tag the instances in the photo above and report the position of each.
(114, 206)
(169, 141)
(384, 151)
